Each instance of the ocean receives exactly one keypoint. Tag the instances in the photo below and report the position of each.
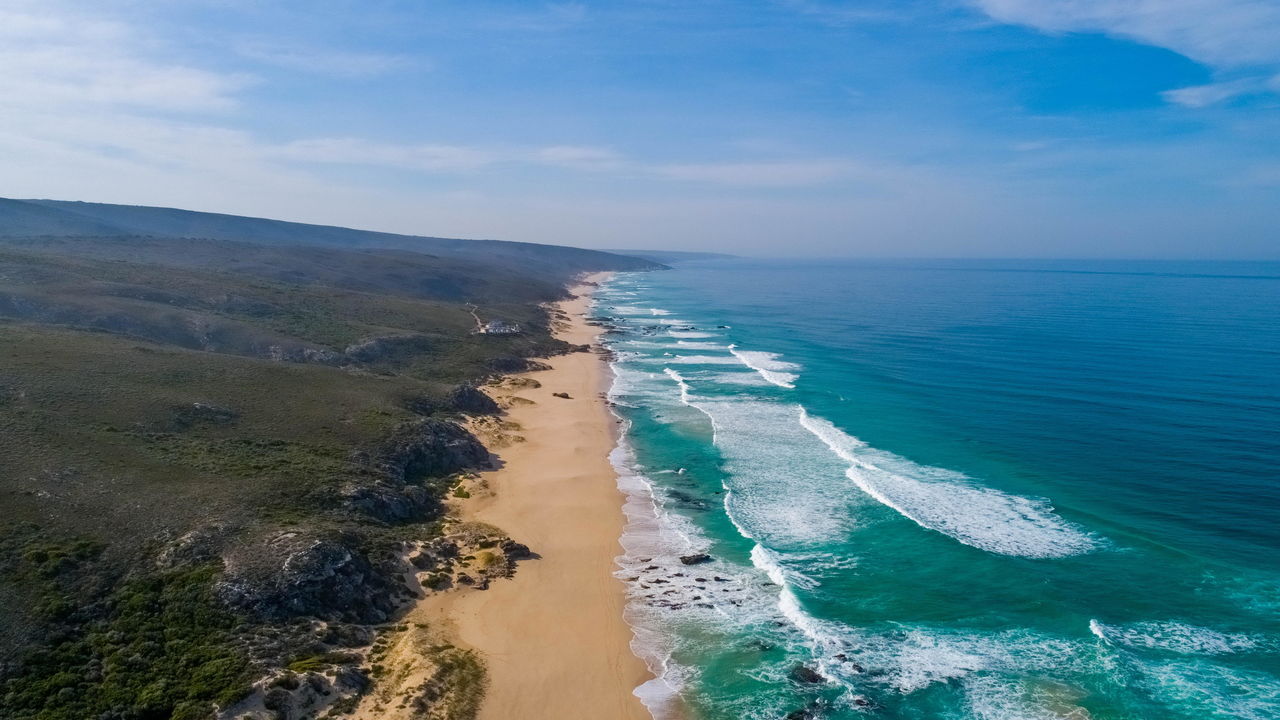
(951, 489)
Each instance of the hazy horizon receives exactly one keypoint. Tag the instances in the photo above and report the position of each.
(953, 129)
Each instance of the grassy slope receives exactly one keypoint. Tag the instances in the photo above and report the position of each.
(528, 258)
(106, 346)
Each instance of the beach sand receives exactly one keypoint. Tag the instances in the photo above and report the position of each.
(553, 637)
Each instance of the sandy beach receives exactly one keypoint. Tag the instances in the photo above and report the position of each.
(553, 637)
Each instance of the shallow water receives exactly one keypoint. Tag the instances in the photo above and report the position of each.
(953, 489)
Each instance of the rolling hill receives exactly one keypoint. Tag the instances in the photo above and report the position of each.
(71, 219)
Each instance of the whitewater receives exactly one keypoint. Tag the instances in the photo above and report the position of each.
(908, 585)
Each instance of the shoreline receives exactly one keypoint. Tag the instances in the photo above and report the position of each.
(553, 638)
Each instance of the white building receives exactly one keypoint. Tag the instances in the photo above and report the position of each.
(498, 327)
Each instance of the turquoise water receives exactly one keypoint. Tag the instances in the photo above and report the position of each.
(953, 489)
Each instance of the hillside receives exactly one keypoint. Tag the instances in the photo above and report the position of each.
(220, 454)
(64, 218)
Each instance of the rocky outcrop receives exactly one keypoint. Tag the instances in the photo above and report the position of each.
(695, 559)
(470, 555)
(389, 347)
(392, 503)
(507, 364)
(195, 548)
(467, 399)
(429, 448)
(295, 353)
(391, 489)
(293, 575)
(464, 398)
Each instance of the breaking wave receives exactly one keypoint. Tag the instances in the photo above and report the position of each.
(951, 503)
(777, 372)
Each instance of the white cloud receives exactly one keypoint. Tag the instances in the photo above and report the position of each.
(357, 151)
(759, 174)
(1238, 35)
(579, 157)
(50, 60)
(1199, 96)
(1220, 33)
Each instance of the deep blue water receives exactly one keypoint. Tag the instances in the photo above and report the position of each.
(979, 489)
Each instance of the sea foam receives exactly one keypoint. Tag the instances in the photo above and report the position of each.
(775, 371)
(951, 503)
(1176, 637)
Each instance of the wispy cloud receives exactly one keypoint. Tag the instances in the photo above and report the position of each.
(547, 17)
(1220, 33)
(358, 151)
(51, 59)
(1199, 96)
(1236, 36)
(325, 61)
(841, 14)
(579, 157)
(777, 174)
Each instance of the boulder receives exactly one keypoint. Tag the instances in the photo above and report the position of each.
(805, 675)
(695, 559)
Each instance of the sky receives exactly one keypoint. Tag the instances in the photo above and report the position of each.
(952, 128)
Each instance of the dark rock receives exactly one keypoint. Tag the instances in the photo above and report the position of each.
(812, 711)
(805, 675)
(391, 504)
(277, 699)
(430, 448)
(695, 559)
(562, 395)
(514, 550)
(197, 547)
(347, 635)
(351, 679)
(467, 399)
(293, 576)
(425, 405)
(508, 364)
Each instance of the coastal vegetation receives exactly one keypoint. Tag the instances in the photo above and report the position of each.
(226, 461)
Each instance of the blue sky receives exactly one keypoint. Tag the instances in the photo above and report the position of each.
(1014, 128)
